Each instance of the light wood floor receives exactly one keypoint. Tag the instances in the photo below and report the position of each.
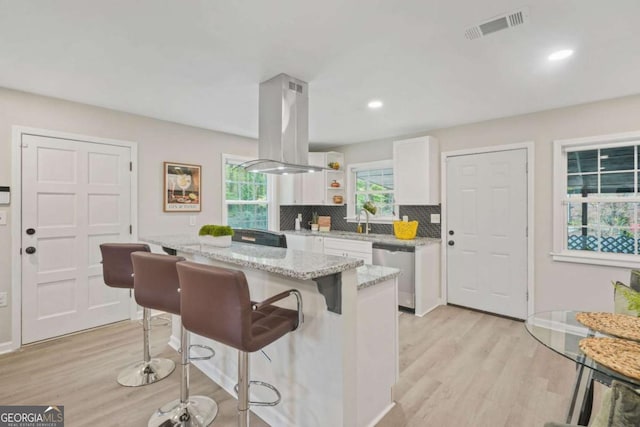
(457, 368)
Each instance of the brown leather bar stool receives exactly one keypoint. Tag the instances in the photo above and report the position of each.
(156, 286)
(118, 273)
(215, 304)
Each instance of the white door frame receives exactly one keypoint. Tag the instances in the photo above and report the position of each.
(529, 146)
(16, 213)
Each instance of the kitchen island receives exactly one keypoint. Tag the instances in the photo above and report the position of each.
(339, 368)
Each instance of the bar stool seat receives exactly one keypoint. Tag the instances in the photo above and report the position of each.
(118, 273)
(156, 286)
(215, 303)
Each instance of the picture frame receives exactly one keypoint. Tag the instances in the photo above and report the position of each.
(182, 187)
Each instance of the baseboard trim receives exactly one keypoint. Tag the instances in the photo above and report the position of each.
(7, 347)
(430, 309)
(382, 414)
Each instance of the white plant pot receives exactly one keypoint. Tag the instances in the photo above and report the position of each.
(221, 242)
(314, 227)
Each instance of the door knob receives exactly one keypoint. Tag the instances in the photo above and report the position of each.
(30, 250)
(451, 242)
(31, 231)
(451, 233)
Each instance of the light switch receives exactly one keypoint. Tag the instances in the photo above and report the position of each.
(192, 220)
(3, 217)
(5, 195)
(435, 218)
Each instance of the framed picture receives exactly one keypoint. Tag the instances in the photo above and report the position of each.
(182, 187)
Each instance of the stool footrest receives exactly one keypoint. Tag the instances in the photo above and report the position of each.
(266, 385)
(204, 347)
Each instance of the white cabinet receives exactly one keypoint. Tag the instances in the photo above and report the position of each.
(290, 189)
(427, 278)
(312, 183)
(349, 248)
(416, 171)
(307, 243)
(314, 188)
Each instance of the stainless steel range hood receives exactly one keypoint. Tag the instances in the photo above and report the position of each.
(283, 132)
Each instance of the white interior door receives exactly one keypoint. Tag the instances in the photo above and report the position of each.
(487, 232)
(75, 196)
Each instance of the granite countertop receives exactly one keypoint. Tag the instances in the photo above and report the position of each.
(375, 238)
(286, 262)
(369, 275)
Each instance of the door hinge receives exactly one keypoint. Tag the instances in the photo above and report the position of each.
(526, 231)
(20, 251)
(130, 229)
(527, 295)
(130, 166)
(526, 167)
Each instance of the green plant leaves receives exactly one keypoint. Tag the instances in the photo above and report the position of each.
(215, 230)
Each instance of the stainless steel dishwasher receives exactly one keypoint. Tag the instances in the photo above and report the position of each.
(403, 258)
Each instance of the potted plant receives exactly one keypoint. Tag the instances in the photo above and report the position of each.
(314, 221)
(216, 235)
(626, 299)
(370, 207)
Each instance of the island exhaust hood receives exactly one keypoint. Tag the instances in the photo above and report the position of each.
(283, 132)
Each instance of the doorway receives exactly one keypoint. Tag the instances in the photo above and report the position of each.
(487, 227)
(76, 193)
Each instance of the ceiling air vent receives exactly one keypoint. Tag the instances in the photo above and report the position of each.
(498, 23)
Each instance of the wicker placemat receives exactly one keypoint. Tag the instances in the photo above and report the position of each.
(619, 325)
(620, 355)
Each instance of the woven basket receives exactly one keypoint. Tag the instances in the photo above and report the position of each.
(405, 230)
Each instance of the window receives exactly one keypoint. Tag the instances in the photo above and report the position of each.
(246, 197)
(597, 214)
(372, 182)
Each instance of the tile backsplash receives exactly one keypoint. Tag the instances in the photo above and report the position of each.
(422, 214)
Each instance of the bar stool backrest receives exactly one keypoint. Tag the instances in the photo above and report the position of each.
(156, 283)
(116, 263)
(216, 304)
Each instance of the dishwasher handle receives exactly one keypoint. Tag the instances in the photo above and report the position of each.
(393, 248)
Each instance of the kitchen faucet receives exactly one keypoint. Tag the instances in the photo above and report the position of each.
(367, 228)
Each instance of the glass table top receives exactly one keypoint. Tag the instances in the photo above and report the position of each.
(561, 332)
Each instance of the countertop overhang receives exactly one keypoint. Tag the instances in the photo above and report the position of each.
(292, 263)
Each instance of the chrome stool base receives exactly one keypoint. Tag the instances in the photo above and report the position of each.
(143, 373)
(199, 411)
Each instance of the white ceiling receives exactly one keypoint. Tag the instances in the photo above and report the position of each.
(200, 62)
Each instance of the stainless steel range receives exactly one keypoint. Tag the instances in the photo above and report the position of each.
(259, 237)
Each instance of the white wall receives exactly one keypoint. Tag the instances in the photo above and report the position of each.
(158, 141)
(558, 285)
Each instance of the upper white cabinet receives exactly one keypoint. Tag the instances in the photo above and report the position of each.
(312, 188)
(318, 188)
(416, 171)
(289, 189)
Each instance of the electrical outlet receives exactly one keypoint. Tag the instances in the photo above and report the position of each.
(3, 299)
(435, 218)
(3, 217)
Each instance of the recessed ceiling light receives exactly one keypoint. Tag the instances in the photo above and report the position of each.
(560, 54)
(376, 103)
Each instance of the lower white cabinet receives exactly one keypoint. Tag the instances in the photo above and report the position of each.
(349, 248)
(305, 243)
(427, 278)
